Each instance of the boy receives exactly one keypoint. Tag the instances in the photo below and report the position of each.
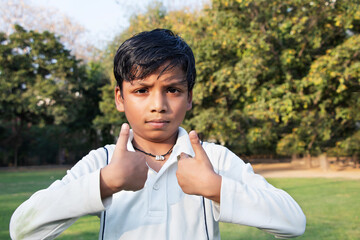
(158, 181)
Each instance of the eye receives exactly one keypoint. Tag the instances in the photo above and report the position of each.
(173, 90)
(141, 91)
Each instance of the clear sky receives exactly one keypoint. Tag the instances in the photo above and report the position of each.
(105, 18)
(102, 18)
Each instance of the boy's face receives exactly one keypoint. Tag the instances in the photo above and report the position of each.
(155, 106)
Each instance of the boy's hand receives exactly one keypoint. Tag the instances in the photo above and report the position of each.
(196, 175)
(126, 171)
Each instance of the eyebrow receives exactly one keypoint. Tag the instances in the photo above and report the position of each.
(176, 81)
(170, 81)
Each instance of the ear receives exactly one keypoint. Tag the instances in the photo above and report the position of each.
(119, 100)
(189, 103)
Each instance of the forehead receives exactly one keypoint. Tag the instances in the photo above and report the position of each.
(165, 74)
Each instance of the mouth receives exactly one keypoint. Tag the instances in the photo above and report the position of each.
(157, 123)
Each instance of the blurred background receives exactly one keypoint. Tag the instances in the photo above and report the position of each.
(278, 81)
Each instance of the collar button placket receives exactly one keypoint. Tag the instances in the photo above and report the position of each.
(158, 199)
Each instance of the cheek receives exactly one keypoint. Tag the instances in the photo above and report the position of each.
(182, 108)
(132, 111)
(133, 105)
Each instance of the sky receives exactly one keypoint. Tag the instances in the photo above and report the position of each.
(103, 19)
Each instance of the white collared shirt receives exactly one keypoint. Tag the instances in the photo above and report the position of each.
(161, 210)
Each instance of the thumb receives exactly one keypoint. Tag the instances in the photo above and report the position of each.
(123, 137)
(198, 149)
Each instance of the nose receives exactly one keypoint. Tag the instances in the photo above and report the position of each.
(159, 102)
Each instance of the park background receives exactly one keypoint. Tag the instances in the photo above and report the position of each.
(277, 81)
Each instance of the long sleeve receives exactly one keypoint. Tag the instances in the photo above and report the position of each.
(161, 209)
(49, 212)
(248, 199)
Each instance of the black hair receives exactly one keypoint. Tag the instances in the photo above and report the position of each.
(145, 52)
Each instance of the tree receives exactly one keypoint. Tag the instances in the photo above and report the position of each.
(38, 80)
(328, 99)
(274, 77)
(257, 62)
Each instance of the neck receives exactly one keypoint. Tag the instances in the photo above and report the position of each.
(155, 148)
(160, 157)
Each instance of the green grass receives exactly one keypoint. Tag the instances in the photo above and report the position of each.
(16, 187)
(332, 206)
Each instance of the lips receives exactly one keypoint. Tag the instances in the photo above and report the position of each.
(157, 123)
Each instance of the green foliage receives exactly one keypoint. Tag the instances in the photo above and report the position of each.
(260, 60)
(36, 77)
(347, 147)
(109, 122)
(36, 74)
(290, 144)
(39, 83)
(274, 77)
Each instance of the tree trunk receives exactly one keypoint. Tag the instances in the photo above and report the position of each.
(356, 160)
(16, 153)
(324, 163)
(295, 161)
(16, 129)
(308, 161)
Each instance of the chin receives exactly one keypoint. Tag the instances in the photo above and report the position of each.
(159, 136)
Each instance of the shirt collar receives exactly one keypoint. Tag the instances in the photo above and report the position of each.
(130, 147)
(182, 144)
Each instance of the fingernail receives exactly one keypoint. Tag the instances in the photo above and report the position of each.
(125, 126)
(194, 133)
(185, 155)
